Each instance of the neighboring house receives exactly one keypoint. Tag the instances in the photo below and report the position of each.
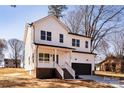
(112, 64)
(51, 50)
(1, 60)
(10, 63)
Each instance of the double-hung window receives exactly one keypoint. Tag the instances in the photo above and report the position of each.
(86, 44)
(43, 35)
(73, 42)
(76, 42)
(49, 36)
(46, 35)
(61, 37)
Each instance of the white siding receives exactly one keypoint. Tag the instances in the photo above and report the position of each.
(64, 56)
(82, 43)
(29, 65)
(83, 58)
(51, 25)
(45, 64)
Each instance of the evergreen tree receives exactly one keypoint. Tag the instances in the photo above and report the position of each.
(57, 10)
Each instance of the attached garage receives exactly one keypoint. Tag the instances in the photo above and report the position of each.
(82, 69)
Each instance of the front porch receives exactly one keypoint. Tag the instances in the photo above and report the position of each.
(49, 56)
(54, 62)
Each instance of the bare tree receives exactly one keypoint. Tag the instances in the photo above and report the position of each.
(95, 21)
(16, 47)
(74, 21)
(117, 43)
(3, 45)
(103, 48)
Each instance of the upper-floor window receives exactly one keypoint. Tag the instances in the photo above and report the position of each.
(46, 35)
(43, 35)
(61, 37)
(73, 42)
(49, 36)
(76, 42)
(86, 44)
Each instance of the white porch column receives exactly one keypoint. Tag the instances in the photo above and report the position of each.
(70, 57)
(55, 52)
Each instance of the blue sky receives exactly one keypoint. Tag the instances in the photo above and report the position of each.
(12, 20)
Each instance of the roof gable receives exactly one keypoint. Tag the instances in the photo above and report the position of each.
(54, 18)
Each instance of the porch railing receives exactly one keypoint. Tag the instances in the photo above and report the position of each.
(70, 69)
(59, 69)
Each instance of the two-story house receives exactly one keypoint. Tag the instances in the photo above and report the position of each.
(51, 50)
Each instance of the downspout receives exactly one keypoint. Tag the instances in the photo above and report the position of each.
(33, 33)
(37, 56)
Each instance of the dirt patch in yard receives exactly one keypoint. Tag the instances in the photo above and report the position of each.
(19, 78)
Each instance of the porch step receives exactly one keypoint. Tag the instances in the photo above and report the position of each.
(67, 75)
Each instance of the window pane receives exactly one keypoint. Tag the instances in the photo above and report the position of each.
(61, 35)
(73, 42)
(43, 34)
(42, 37)
(46, 55)
(47, 59)
(86, 44)
(40, 54)
(61, 38)
(49, 36)
(78, 43)
(41, 59)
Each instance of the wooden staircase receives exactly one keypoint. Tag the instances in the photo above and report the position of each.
(67, 75)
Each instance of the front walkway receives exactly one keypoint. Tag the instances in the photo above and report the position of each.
(115, 82)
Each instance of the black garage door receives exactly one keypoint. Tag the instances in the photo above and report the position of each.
(82, 69)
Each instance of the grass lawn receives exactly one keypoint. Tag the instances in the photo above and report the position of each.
(19, 78)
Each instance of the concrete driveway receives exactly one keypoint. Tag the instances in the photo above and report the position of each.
(115, 82)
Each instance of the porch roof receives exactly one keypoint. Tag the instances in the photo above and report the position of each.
(54, 46)
(84, 52)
